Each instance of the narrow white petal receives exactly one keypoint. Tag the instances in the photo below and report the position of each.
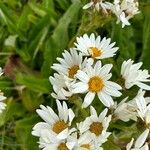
(88, 5)
(63, 134)
(129, 145)
(93, 111)
(142, 138)
(88, 99)
(103, 114)
(105, 99)
(82, 76)
(71, 116)
(80, 87)
(143, 86)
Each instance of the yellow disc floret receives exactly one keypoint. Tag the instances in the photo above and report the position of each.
(72, 71)
(95, 52)
(95, 84)
(59, 126)
(96, 128)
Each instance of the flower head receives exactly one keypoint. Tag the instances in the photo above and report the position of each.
(57, 125)
(133, 75)
(124, 10)
(96, 125)
(70, 64)
(96, 47)
(85, 141)
(97, 5)
(94, 80)
(49, 141)
(61, 86)
(125, 110)
(143, 108)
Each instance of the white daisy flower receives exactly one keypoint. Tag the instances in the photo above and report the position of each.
(128, 110)
(124, 10)
(61, 87)
(70, 64)
(94, 80)
(96, 125)
(130, 7)
(97, 5)
(57, 125)
(140, 143)
(133, 75)
(67, 69)
(125, 110)
(85, 142)
(96, 47)
(49, 142)
(143, 109)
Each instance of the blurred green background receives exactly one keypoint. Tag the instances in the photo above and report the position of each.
(32, 34)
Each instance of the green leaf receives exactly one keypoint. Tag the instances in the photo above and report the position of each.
(60, 34)
(33, 83)
(146, 38)
(123, 40)
(38, 34)
(13, 109)
(5, 84)
(64, 4)
(37, 9)
(60, 38)
(31, 100)
(23, 130)
(8, 18)
(110, 145)
(23, 23)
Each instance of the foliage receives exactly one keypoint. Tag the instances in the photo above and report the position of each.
(32, 34)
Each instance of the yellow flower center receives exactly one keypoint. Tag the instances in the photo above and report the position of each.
(95, 84)
(95, 52)
(59, 126)
(73, 70)
(62, 146)
(96, 128)
(87, 146)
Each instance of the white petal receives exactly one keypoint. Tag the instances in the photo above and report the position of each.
(82, 76)
(105, 99)
(142, 138)
(88, 99)
(79, 87)
(88, 5)
(63, 134)
(103, 114)
(143, 86)
(93, 111)
(129, 145)
(71, 116)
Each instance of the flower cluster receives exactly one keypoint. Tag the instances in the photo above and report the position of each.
(2, 97)
(81, 71)
(82, 74)
(122, 9)
(58, 132)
